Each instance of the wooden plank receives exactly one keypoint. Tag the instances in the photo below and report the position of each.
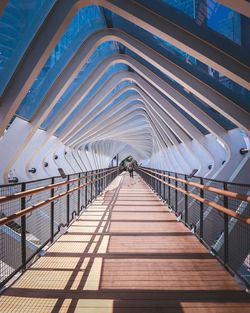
(128, 256)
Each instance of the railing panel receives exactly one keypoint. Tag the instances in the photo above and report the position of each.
(82, 193)
(213, 220)
(193, 205)
(181, 199)
(31, 218)
(60, 205)
(10, 235)
(217, 212)
(172, 193)
(73, 197)
(37, 222)
(239, 235)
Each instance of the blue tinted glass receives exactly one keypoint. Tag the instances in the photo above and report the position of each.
(18, 25)
(102, 52)
(185, 6)
(211, 77)
(214, 23)
(224, 21)
(121, 109)
(86, 99)
(85, 22)
(210, 111)
(221, 19)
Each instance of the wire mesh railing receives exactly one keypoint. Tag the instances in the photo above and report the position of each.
(33, 213)
(217, 212)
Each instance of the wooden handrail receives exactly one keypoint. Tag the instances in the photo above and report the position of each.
(5, 220)
(29, 192)
(230, 194)
(218, 207)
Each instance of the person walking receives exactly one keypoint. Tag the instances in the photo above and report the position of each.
(131, 169)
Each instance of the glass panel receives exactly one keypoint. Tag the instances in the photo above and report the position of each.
(85, 22)
(224, 21)
(18, 25)
(214, 15)
(185, 6)
(211, 77)
(226, 29)
(101, 53)
(224, 122)
(88, 97)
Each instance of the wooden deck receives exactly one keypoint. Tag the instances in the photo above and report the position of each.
(126, 254)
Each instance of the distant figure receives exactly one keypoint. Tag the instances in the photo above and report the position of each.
(131, 169)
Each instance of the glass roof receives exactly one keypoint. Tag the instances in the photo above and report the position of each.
(205, 18)
(223, 121)
(78, 30)
(211, 77)
(102, 52)
(86, 99)
(18, 25)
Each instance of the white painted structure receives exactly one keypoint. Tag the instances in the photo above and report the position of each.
(148, 117)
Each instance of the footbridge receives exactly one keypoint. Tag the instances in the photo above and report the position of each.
(87, 85)
(107, 242)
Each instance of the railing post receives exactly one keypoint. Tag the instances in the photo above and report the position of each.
(86, 190)
(96, 183)
(155, 183)
(160, 184)
(52, 206)
(169, 191)
(79, 194)
(164, 186)
(201, 209)
(68, 200)
(176, 193)
(99, 181)
(105, 180)
(186, 202)
(91, 187)
(226, 247)
(23, 229)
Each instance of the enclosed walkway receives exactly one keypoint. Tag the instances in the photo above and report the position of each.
(126, 253)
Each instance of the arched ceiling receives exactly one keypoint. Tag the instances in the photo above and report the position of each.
(128, 77)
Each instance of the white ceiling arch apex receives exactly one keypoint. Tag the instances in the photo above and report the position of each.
(91, 121)
(184, 103)
(98, 128)
(124, 122)
(166, 106)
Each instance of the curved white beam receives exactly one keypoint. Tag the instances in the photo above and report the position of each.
(149, 90)
(162, 86)
(62, 13)
(150, 107)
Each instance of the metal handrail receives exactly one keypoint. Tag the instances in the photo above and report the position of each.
(230, 194)
(29, 192)
(5, 220)
(212, 204)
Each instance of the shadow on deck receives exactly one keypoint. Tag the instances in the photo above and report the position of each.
(126, 253)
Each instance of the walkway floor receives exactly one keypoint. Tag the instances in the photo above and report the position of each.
(126, 254)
